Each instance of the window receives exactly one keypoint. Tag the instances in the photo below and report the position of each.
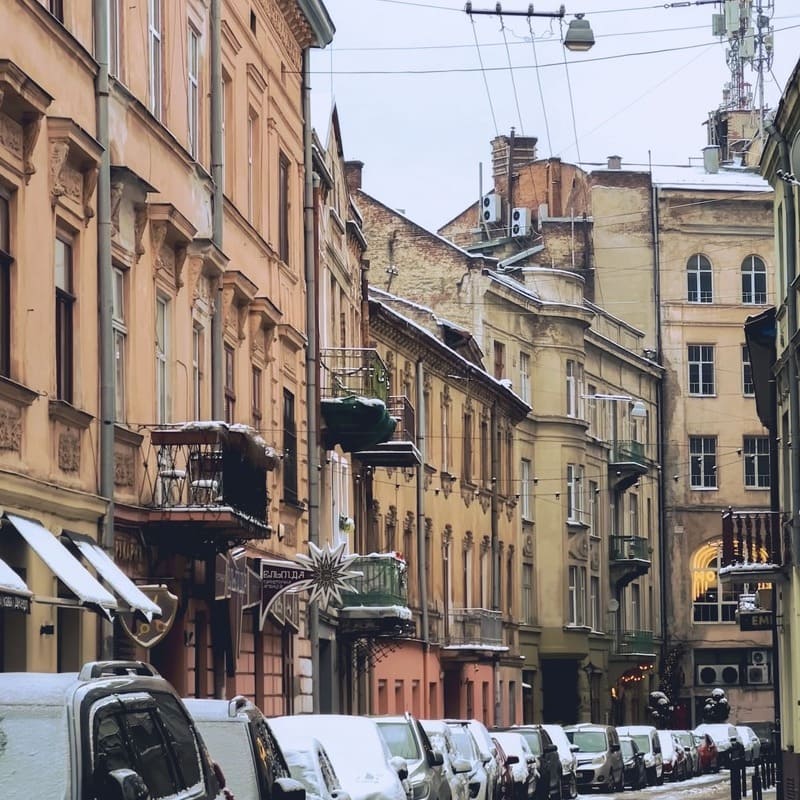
(227, 133)
(283, 209)
(467, 433)
(592, 414)
(510, 583)
(56, 8)
(156, 54)
(574, 492)
(197, 370)
(756, 462)
(754, 281)
(634, 509)
(230, 384)
(698, 276)
(713, 601)
(256, 397)
(162, 359)
(525, 377)
(572, 389)
(525, 489)
(486, 577)
(467, 576)
(594, 508)
(577, 595)
(5, 288)
(594, 602)
(485, 457)
(289, 448)
(701, 369)
(120, 337)
(193, 90)
(748, 389)
(65, 301)
(703, 462)
(499, 360)
(446, 465)
(527, 593)
(251, 148)
(115, 37)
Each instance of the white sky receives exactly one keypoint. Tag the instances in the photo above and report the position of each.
(423, 135)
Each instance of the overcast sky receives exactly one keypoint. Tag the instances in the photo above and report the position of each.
(422, 88)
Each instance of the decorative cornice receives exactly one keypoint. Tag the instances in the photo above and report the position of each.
(169, 231)
(254, 74)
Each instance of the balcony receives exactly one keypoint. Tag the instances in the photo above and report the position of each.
(379, 606)
(635, 643)
(626, 464)
(207, 485)
(756, 546)
(475, 629)
(629, 558)
(401, 450)
(354, 391)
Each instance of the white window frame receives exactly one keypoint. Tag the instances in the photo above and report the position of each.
(756, 452)
(197, 370)
(753, 266)
(703, 448)
(594, 602)
(747, 366)
(115, 16)
(251, 133)
(636, 607)
(525, 489)
(633, 508)
(525, 377)
(701, 374)
(575, 510)
(162, 349)
(527, 594)
(695, 272)
(193, 89)
(576, 595)
(155, 33)
(120, 331)
(572, 388)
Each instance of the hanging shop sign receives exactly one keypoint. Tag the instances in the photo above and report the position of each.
(755, 620)
(148, 634)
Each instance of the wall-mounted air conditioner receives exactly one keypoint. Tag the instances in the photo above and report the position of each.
(759, 657)
(757, 674)
(520, 221)
(490, 208)
(718, 675)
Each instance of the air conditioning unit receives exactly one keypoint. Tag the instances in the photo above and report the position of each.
(718, 674)
(757, 674)
(520, 221)
(281, 531)
(490, 208)
(759, 657)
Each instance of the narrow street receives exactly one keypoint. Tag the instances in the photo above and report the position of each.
(713, 787)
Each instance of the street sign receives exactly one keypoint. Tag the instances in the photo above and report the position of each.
(755, 620)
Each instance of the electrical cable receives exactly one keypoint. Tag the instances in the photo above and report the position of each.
(541, 91)
(485, 79)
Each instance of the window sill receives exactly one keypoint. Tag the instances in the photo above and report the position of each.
(575, 628)
(66, 413)
(577, 524)
(756, 488)
(296, 505)
(16, 393)
(704, 488)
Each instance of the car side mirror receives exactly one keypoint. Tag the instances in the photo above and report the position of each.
(400, 766)
(615, 748)
(123, 784)
(461, 765)
(550, 748)
(487, 758)
(340, 794)
(288, 789)
(436, 759)
(512, 760)
(574, 748)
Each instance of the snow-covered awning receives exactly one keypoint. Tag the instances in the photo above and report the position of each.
(14, 593)
(122, 585)
(64, 565)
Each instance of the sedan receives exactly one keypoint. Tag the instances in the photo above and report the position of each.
(309, 764)
(524, 770)
(707, 751)
(633, 765)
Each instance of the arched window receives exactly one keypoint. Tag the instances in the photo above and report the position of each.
(712, 600)
(754, 281)
(698, 279)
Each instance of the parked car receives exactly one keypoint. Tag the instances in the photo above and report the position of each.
(467, 748)
(707, 751)
(686, 740)
(116, 729)
(764, 732)
(632, 763)
(548, 761)
(722, 733)
(751, 742)
(406, 738)
(242, 743)
(455, 768)
(599, 757)
(525, 772)
(569, 761)
(489, 755)
(309, 764)
(505, 776)
(646, 737)
(365, 766)
(673, 756)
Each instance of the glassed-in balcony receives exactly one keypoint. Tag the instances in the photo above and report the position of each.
(756, 546)
(634, 643)
(626, 463)
(629, 558)
(475, 629)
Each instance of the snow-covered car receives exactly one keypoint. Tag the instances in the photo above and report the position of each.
(569, 761)
(237, 734)
(456, 768)
(309, 764)
(686, 740)
(548, 761)
(467, 747)
(646, 737)
(633, 763)
(358, 752)
(676, 764)
(599, 758)
(524, 770)
(489, 755)
(751, 742)
(723, 734)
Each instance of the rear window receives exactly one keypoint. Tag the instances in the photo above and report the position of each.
(400, 740)
(626, 747)
(642, 741)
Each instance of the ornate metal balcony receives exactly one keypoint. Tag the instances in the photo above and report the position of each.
(379, 606)
(207, 484)
(634, 643)
(401, 450)
(626, 463)
(475, 629)
(756, 546)
(629, 558)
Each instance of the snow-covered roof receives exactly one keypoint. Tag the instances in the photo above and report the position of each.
(35, 688)
(378, 612)
(696, 177)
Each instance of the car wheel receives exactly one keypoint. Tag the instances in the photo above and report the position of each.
(573, 787)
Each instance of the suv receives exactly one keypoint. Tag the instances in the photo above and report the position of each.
(548, 760)
(406, 738)
(646, 737)
(242, 743)
(115, 730)
(599, 757)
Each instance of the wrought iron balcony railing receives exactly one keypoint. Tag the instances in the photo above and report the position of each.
(383, 582)
(638, 643)
(475, 627)
(754, 543)
(629, 548)
(401, 409)
(353, 371)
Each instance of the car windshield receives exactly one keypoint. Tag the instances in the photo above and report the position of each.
(642, 740)
(24, 769)
(626, 747)
(400, 739)
(534, 740)
(684, 738)
(667, 744)
(229, 744)
(513, 744)
(588, 741)
(464, 743)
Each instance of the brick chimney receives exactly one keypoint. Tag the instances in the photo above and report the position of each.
(353, 170)
(615, 162)
(524, 154)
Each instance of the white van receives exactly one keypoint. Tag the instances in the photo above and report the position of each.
(646, 737)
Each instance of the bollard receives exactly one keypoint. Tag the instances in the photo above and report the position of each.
(743, 779)
(736, 783)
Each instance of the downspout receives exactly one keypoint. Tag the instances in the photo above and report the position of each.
(312, 365)
(422, 555)
(510, 188)
(105, 292)
(495, 543)
(218, 205)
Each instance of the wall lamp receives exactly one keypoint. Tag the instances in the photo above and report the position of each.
(638, 409)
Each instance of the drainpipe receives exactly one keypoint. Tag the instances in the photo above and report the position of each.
(312, 365)
(218, 204)
(495, 542)
(422, 554)
(104, 286)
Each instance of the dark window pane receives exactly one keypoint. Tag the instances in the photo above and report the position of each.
(289, 448)
(182, 740)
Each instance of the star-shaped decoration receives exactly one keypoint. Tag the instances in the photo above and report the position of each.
(330, 572)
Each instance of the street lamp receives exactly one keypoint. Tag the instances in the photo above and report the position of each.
(591, 672)
(579, 37)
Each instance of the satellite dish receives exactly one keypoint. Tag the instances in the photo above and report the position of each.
(613, 605)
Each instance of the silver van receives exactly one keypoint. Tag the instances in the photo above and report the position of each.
(646, 737)
(599, 758)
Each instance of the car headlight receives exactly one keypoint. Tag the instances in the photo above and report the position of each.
(420, 790)
(598, 761)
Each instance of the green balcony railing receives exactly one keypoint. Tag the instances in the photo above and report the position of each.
(635, 643)
(353, 371)
(383, 582)
(629, 548)
(628, 452)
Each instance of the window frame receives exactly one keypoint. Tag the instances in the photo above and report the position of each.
(6, 263)
(571, 388)
(747, 373)
(576, 592)
(755, 294)
(115, 37)
(700, 360)
(162, 352)
(120, 333)
(65, 320)
(525, 377)
(703, 452)
(289, 470)
(155, 57)
(193, 89)
(525, 505)
(284, 201)
(256, 395)
(695, 273)
(229, 386)
(755, 451)
(197, 369)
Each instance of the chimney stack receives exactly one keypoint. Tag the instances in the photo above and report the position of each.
(711, 159)
(615, 162)
(353, 170)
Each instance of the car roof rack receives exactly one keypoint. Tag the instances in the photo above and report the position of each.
(100, 669)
